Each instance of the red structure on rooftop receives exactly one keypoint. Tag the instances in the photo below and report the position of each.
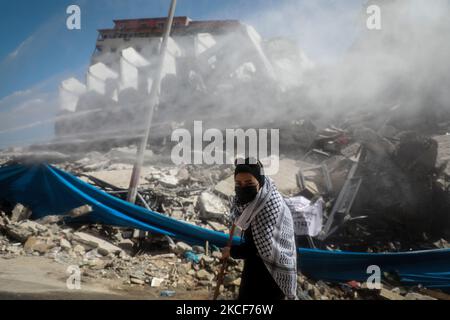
(152, 27)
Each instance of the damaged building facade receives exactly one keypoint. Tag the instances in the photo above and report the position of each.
(211, 67)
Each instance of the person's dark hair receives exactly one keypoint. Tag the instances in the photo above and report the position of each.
(252, 166)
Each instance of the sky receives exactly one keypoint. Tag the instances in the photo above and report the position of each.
(38, 51)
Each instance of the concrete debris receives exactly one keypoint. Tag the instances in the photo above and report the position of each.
(64, 244)
(18, 234)
(135, 280)
(156, 282)
(225, 187)
(204, 275)
(385, 189)
(41, 245)
(80, 211)
(22, 230)
(212, 207)
(180, 248)
(20, 213)
(91, 242)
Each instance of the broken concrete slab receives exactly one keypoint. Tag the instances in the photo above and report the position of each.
(23, 230)
(91, 242)
(65, 244)
(212, 207)
(225, 187)
(20, 212)
(390, 295)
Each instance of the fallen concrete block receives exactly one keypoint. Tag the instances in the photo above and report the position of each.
(212, 207)
(20, 212)
(91, 242)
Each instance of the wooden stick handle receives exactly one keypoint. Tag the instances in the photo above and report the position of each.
(224, 265)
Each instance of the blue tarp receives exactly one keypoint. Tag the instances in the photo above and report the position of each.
(48, 190)
(431, 268)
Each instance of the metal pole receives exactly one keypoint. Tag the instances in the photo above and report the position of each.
(134, 182)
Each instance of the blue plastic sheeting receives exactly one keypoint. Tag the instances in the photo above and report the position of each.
(50, 191)
(431, 268)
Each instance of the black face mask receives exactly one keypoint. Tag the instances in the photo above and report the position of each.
(245, 194)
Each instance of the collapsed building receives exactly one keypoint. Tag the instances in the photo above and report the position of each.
(213, 71)
(377, 154)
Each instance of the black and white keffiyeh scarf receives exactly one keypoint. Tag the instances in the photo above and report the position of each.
(273, 233)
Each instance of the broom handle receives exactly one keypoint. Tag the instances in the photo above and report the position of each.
(224, 265)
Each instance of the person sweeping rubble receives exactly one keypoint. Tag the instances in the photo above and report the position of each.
(268, 249)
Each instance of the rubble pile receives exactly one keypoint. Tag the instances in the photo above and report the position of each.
(114, 257)
(184, 266)
(385, 189)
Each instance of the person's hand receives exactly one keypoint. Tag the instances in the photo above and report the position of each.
(225, 253)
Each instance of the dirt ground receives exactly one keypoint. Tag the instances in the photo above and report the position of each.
(40, 278)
